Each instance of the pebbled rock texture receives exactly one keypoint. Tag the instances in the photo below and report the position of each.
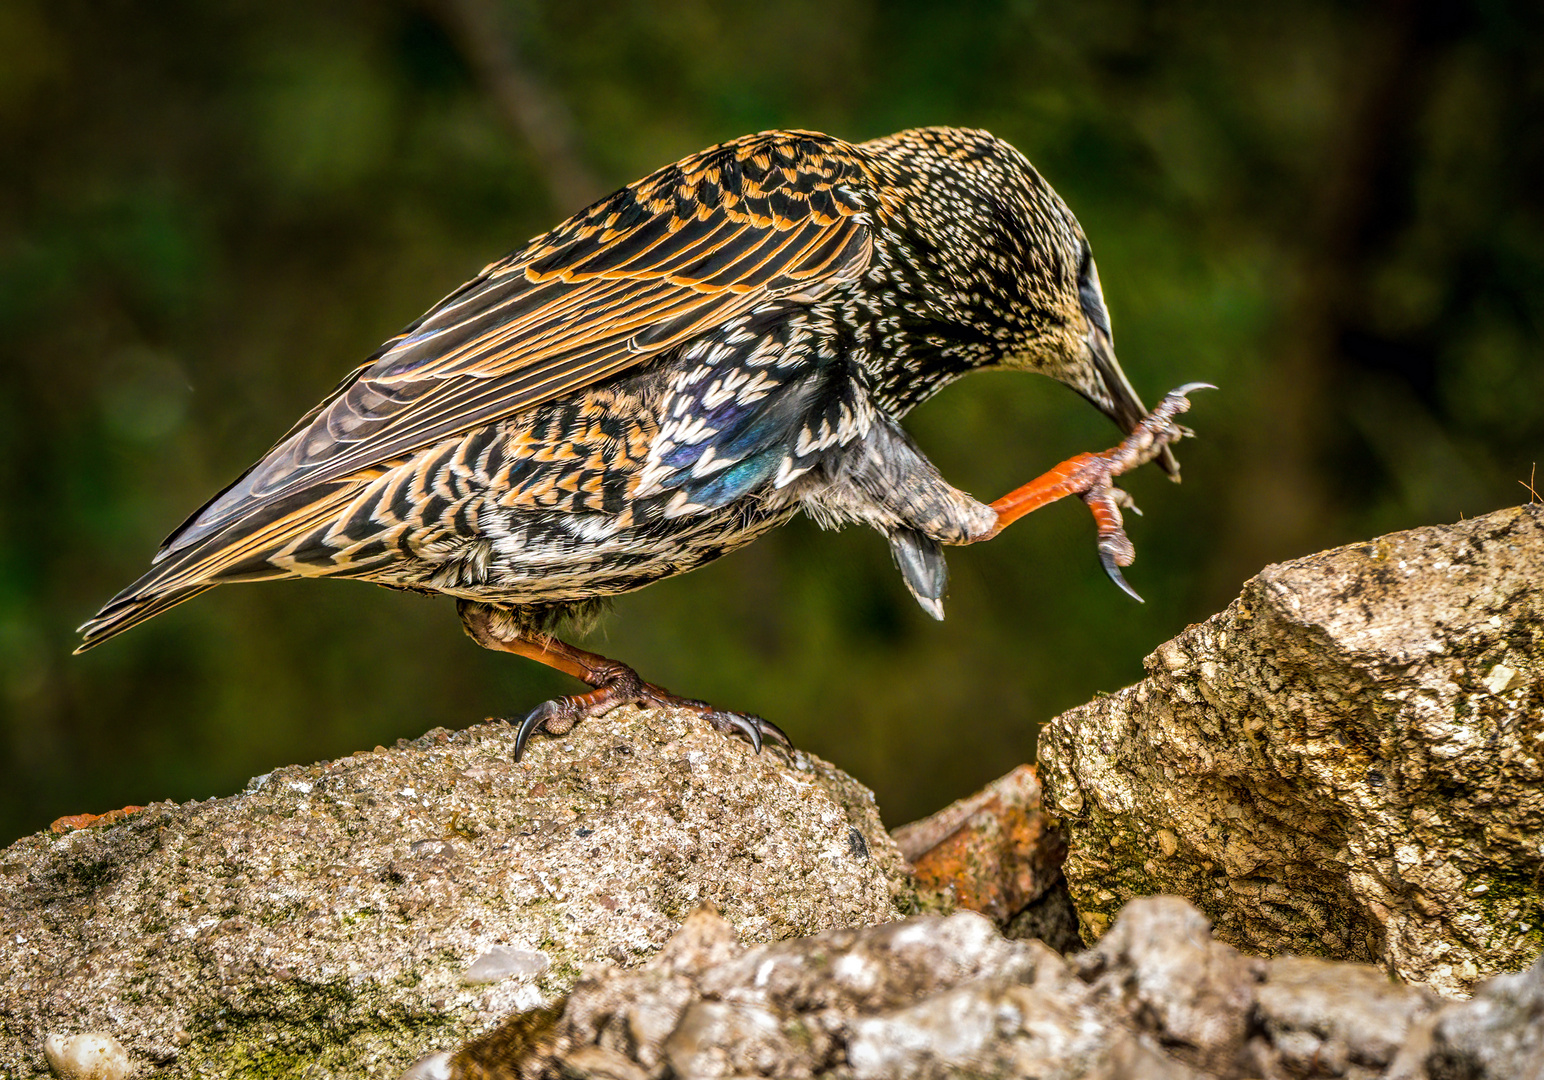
(934, 997)
(334, 919)
(1347, 762)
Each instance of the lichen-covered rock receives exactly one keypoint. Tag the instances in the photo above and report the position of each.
(1347, 762)
(343, 917)
(932, 997)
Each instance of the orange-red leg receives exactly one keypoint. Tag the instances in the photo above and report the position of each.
(1092, 476)
(614, 684)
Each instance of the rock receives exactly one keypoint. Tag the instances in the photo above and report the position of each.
(1498, 1035)
(936, 997)
(92, 1056)
(1158, 968)
(995, 852)
(1346, 1019)
(930, 997)
(501, 962)
(343, 917)
(1347, 762)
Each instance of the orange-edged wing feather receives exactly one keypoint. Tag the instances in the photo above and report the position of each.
(638, 273)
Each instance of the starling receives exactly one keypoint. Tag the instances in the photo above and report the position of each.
(669, 374)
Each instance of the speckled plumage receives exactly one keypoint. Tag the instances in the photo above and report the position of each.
(669, 374)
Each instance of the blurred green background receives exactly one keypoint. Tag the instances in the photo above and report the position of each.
(210, 211)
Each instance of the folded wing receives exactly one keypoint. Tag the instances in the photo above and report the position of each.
(635, 275)
(769, 216)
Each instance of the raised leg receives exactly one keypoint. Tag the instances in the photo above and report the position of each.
(614, 683)
(1092, 476)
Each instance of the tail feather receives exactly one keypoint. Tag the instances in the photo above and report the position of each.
(128, 609)
(239, 553)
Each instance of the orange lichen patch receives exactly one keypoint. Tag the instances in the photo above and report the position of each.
(71, 822)
(995, 852)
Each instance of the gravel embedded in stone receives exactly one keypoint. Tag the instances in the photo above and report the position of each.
(326, 916)
(501, 962)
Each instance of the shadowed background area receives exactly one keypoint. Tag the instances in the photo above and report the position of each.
(211, 211)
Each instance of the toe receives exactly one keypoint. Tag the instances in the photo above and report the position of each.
(1108, 558)
(548, 716)
(753, 728)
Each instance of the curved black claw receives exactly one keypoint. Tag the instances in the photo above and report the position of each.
(763, 729)
(1107, 560)
(748, 726)
(1189, 388)
(773, 732)
(535, 720)
(741, 725)
(558, 716)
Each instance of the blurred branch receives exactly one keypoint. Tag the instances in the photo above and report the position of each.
(527, 107)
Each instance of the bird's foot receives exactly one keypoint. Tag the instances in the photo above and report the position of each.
(747, 725)
(617, 685)
(1092, 478)
(1154, 432)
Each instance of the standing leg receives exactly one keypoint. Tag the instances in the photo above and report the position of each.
(614, 683)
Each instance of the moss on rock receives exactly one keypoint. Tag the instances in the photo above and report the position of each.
(323, 919)
(1347, 762)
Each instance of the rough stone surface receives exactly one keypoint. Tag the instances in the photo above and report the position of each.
(1499, 1033)
(995, 852)
(1159, 967)
(929, 997)
(324, 921)
(1347, 762)
(937, 997)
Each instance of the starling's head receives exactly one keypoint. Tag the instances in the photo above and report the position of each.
(1021, 285)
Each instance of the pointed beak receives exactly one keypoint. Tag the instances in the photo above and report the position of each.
(1119, 400)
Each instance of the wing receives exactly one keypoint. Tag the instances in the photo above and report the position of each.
(780, 214)
(760, 401)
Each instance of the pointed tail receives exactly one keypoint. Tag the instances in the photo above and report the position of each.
(130, 608)
(241, 552)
